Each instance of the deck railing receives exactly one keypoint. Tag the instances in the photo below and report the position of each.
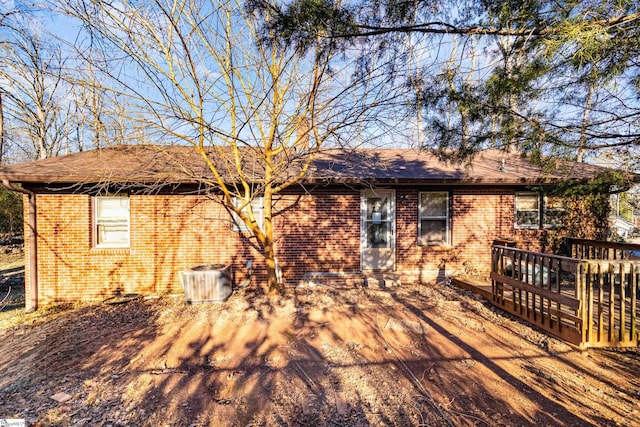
(611, 302)
(597, 249)
(532, 286)
(587, 302)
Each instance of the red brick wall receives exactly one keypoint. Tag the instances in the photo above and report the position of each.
(477, 217)
(319, 232)
(168, 234)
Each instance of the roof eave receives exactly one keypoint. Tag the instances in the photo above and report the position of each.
(434, 181)
(87, 180)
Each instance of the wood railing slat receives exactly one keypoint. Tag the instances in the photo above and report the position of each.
(633, 333)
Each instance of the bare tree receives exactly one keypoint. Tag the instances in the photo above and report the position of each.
(201, 75)
(100, 116)
(35, 108)
(49, 101)
(4, 16)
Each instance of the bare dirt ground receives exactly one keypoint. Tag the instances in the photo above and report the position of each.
(428, 355)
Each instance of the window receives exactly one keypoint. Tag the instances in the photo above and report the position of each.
(378, 220)
(527, 210)
(257, 209)
(111, 221)
(554, 208)
(535, 211)
(433, 221)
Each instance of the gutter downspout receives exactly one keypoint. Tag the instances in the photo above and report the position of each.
(32, 304)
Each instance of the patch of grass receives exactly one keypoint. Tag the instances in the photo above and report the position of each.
(11, 261)
(12, 303)
(12, 317)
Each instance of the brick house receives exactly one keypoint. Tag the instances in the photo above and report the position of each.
(128, 219)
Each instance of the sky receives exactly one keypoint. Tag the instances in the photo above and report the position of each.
(384, 121)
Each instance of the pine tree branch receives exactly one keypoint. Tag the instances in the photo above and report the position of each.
(438, 27)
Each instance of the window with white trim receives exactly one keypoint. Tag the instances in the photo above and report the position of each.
(527, 210)
(257, 209)
(534, 211)
(433, 218)
(111, 221)
(554, 210)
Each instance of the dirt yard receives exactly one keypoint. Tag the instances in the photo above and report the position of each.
(410, 356)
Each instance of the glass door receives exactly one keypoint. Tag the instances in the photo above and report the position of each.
(378, 230)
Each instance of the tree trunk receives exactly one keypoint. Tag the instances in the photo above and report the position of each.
(274, 287)
(1, 130)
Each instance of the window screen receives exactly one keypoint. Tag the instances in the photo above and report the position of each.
(111, 221)
(433, 218)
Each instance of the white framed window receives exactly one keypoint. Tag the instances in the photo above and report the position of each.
(554, 209)
(111, 223)
(527, 210)
(534, 211)
(257, 209)
(433, 218)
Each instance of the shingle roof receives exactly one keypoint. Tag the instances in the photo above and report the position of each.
(420, 166)
(146, 164)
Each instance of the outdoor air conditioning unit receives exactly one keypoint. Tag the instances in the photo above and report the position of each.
(207, 283)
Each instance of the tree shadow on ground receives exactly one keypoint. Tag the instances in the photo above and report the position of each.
(419, 355)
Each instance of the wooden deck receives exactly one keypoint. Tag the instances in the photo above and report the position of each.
(475, 285)
(586, 302)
